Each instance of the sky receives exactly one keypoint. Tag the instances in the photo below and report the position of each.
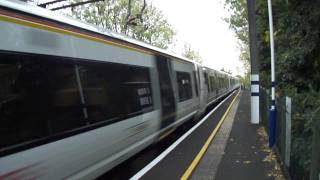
(200, 23)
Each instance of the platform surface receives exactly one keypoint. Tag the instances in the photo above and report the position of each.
(247, 155)
(238, 151)
(174, 165)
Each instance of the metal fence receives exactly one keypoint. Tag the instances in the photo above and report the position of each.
(315, 162)
(264, 106)
(299, 149)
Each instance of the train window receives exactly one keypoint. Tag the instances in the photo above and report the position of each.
(214, 79)
(115, 91)
(225, 80)
(220, 82)
(206, 80)
(212, 82)
(210, 85)
(184, 86)
(39, 96)
(45, 96)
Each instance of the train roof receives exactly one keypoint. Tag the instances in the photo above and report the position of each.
(45, 13)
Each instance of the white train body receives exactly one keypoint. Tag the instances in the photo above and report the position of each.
(76, 101)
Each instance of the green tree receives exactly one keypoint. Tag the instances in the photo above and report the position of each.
(238, 22)
(189, 53)
(152, 27)
(297, 37)
(238, 19)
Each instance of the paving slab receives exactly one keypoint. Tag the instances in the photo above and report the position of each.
(208, 166)
(174, 165)
(247, 156)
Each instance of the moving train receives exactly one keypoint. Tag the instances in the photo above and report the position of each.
(76, 100)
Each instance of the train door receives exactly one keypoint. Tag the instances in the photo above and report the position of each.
(184, 84)
(197, 83)
(203, 90)
(217, 84)
(168, 105)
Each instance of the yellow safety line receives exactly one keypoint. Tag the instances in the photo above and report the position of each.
(206, 145)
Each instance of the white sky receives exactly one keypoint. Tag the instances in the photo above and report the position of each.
(200, 24)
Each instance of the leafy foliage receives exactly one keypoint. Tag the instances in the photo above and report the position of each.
(297, 44)
(306, 111)
(112, 15)
(238, 22)
(188, 52)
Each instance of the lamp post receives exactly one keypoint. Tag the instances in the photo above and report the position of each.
(272, 112)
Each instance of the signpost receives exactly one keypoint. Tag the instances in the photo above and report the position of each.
(272, 112)
(254, 63)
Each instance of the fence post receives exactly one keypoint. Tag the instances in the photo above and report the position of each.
(288, 132)
(315, 157)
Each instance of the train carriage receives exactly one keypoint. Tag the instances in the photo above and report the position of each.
(76, 100)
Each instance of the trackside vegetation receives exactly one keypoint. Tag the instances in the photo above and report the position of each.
(297, 44)
(138, 20)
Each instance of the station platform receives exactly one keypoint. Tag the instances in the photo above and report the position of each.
(223, 145)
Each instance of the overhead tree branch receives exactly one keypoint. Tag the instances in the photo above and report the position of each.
(44, 5)
(130, 20)
(75, 4)
(142, 10)
(128, 16)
